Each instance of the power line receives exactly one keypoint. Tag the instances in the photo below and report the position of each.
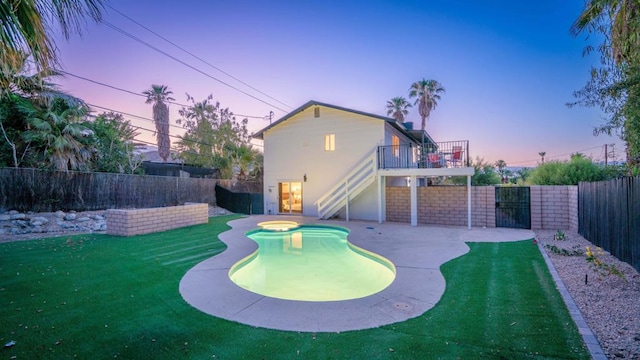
(554, 156)
(197, 57)
(151, 130)
(187, 65)
(139, 94)
(132, 115)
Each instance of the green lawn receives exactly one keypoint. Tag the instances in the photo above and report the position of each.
(99, 297)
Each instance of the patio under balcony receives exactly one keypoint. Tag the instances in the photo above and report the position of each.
(415, 163)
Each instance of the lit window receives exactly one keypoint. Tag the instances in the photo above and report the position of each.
(395, 145)
(330, 142)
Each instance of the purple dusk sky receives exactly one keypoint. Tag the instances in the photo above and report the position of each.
(509, 67)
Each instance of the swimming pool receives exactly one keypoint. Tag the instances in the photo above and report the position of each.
(311, 263)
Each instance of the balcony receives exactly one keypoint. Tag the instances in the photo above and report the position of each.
(442, 155)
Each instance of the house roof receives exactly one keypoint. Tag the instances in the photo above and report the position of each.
(414, 134)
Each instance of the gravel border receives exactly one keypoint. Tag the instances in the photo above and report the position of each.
(610, 303)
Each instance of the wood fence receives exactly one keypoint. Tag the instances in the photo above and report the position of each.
(609, 217)
(47, 191)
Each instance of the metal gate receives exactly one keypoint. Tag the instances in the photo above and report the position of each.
(513, 207)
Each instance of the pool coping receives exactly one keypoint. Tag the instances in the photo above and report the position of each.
(417, 252)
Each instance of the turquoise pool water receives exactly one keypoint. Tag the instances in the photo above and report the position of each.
(311, 263)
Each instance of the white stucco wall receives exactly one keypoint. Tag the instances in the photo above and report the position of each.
(295, 147)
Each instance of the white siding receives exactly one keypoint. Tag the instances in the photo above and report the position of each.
(296, 147)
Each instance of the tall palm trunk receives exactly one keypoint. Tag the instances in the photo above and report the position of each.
(161, 118)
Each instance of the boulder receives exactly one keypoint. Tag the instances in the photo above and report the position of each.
(20, 223)
(70, 217)
(38, 221)
(18, 216)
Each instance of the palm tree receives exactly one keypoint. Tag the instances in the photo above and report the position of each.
(56, 131)
(27, 26)
(501, 164)
(398, 108)
(23, 92)
(159, 95)
(542, 154)
(623, 18)
(428, 94)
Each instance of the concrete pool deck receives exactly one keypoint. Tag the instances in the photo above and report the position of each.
(417, 252)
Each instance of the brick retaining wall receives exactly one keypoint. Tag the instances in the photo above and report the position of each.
(552, 207)
(124, 222)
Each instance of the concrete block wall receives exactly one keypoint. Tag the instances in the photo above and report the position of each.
(552, 207)
(573, 208)
(443, 205)
(398, 201)
(130, 222)
(483, 206)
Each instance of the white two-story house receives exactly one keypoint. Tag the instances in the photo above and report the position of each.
(328, 161)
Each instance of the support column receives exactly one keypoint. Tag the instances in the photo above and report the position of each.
(469, 202)
(384, 198)
(414, 201)
(380, 199)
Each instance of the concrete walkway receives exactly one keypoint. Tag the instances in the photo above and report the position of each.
(417, 252)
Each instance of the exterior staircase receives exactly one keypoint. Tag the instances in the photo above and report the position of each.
(349, 187)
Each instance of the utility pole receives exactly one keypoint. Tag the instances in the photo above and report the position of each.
(606, 153)
(270, 117)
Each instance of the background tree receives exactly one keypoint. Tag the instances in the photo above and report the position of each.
(246, 162)
(56, 133)
(542, 154)
(19, 86)
(579, 168)
(398, 108)
(614, 86)
(427, 93)
(214, 138)
(158, 95)
(500, 165)
(40, 125)
(484, 174)
(26, 26)
(113, 144)
(522, 175)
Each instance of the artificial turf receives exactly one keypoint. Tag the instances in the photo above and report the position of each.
(97, 296)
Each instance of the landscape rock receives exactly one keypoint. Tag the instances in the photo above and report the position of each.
(60, 214)
(83, 219)
(18, 216)
(5, 217)
(38, 221)
(20, 223)
(70, 217)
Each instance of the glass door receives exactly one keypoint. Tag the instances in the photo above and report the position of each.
(290, 197)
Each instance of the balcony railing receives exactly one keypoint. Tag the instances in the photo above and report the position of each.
(448, 154)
